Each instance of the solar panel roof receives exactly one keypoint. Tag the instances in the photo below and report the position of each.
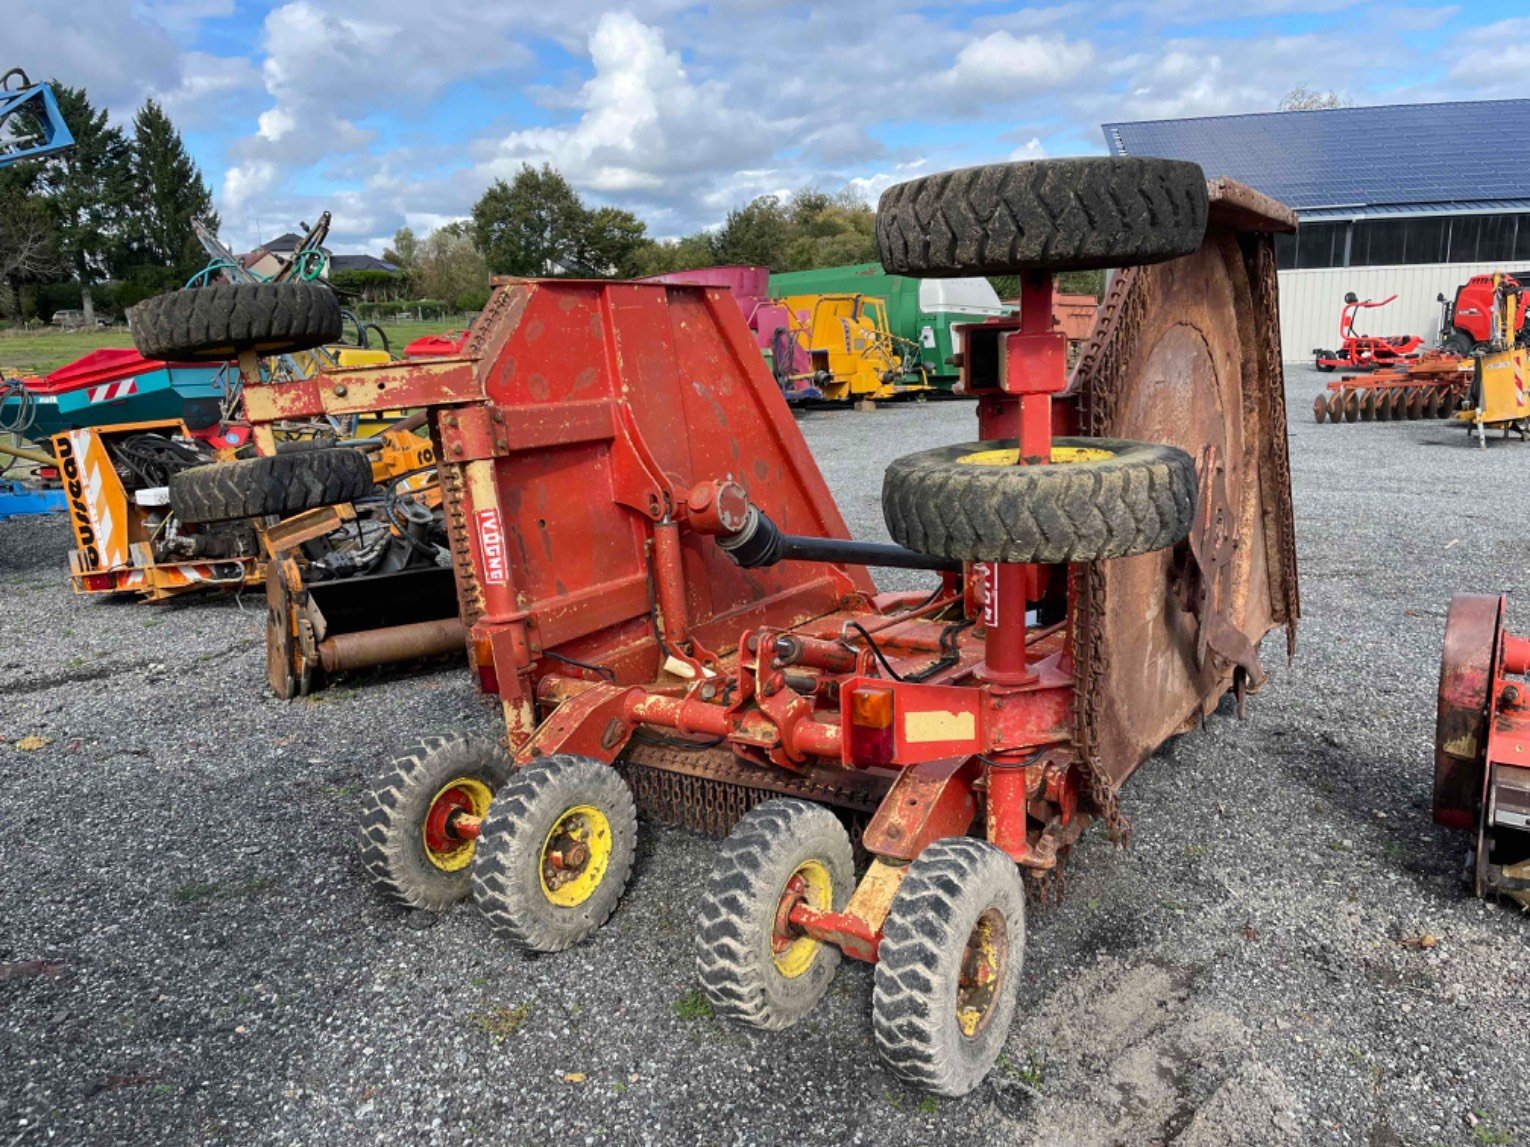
(1350, 159)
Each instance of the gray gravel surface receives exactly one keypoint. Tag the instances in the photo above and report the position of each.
(182, 853)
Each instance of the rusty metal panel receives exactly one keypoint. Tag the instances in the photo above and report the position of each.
(359, 389)
(1472, 625)
(1185, 353)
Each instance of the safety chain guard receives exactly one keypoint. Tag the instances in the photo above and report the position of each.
(1097, 380)
(1278, 464)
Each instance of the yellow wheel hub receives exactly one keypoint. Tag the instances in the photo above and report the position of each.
(982, 973)
(575, 856)
(811, 885)
(1061, 456)
(444, 848)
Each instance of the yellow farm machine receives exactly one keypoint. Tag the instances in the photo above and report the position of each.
(652, 579)
(851, 353)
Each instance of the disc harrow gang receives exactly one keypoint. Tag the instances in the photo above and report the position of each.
(1432, 386)
(1409, 402)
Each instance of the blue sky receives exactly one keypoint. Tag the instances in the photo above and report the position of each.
(400, 112)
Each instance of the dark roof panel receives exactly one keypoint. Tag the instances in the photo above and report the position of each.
(1353, 157)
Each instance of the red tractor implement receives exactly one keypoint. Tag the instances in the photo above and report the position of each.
(657, 585)
(1466, 326)
(1433, 385)
(1482, 745)
(1365, 352)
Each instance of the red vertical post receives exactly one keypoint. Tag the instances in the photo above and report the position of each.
(1034, 367)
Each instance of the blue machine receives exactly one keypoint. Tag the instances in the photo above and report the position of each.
(31, 125)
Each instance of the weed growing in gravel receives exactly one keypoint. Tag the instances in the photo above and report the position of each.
(1194, 851)
(928, 1105)
(1484, 1130)
(693, 1006)
(1029, 1073)
(894, 1100)
(501, 1023)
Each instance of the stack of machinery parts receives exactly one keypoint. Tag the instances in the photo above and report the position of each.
(652, 575)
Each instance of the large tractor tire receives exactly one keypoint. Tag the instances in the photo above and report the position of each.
(216, 323)
(289, 483)
(1043, 215)
(1098, 498)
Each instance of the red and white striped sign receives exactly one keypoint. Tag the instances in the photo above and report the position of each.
(112, 391)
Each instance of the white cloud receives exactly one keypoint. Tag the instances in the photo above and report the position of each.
(644, 122)
(1493, 61)
(1030, 149)
(1002, 65)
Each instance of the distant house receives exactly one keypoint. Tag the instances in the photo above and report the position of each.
(269, 258)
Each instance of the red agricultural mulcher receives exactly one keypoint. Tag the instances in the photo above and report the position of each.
(653, 576)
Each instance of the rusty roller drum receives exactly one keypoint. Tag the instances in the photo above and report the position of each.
(1351, 406)
(1336, 406)
(1368, 405)
(1320, 408)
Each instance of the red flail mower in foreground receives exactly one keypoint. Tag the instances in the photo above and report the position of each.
(658, 587)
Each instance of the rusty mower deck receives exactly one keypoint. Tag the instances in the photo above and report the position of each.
(652, 574)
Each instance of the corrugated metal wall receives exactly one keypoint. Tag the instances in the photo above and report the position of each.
(1310, 302)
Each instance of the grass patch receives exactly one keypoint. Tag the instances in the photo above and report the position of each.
(928, 1105)
(694, 1005)
(38, 352)
(501, 1023)
(1486, 1131)
(1030, 1073)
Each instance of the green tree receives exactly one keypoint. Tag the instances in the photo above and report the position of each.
(449, 266)
(661, 258)
(758, 233)
(404, 251)
(89, 192)
(611, 242)
(168, 193)
(533, 225)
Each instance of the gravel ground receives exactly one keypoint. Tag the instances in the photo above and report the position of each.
(181, 852)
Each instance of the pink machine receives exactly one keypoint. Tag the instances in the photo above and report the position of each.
(769, 321)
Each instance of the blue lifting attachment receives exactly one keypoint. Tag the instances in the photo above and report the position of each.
(31, 125)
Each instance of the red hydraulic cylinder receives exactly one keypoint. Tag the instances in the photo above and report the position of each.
(1516, 654)
(1006, 808)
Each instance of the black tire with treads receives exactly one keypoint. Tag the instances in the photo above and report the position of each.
(949, 886)
(215, 323)
(1042, 215)
(1140, 499)
(735, 921)
(393, 814)
(288, 483)
(507, 885)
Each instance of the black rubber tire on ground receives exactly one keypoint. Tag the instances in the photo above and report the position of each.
(215, 323)
(508, 883)
(394, 809)
(1140, 499)
(735, 922)
(1042, 215)
(949, 887)
(288, 483)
